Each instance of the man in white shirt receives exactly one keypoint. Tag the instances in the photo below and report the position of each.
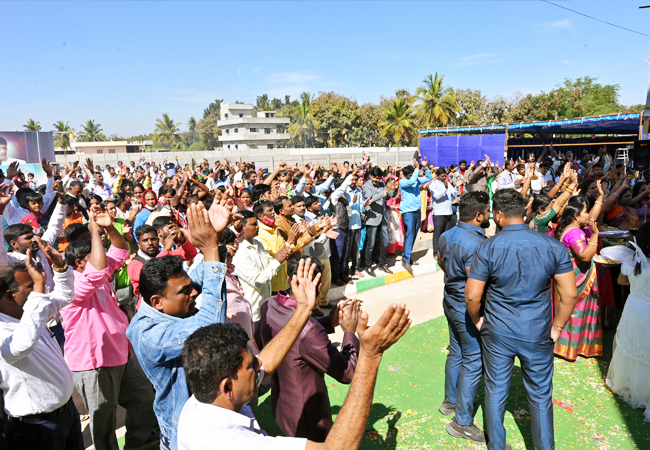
(255, 267)
(36, 381)
(216, 416)
(508, 178)
(102, 189)
(543, 178)
(443, 193)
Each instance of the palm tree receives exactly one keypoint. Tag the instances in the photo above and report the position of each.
(62, 134)
(437, 103)
(398, 121)
(32, 125)
(92, 132)
(304, 124)
(167, 130)
(191, 125)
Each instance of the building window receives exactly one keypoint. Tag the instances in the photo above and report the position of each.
(227, 131)
(228, 147)
(236, 130)
(99, 152)
(241, 115)
(111, 150)
(267, 131)
(270, 146)
(253, 130)
(226, 115)
(236, 147)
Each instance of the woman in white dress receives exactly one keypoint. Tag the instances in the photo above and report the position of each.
(629, 370)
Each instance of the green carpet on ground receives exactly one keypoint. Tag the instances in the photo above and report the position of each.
(410, 387)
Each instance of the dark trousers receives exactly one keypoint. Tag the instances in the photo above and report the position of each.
(339, 254)
(536, 360)
(464, 365)
(371, 236)
(354, 236)
(411, 221)
(62, 432)
(440, 225)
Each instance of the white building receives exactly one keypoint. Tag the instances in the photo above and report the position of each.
(241, 131)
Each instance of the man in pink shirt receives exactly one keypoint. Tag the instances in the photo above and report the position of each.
(96, 346)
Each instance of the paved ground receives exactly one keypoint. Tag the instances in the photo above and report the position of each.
(422, 295)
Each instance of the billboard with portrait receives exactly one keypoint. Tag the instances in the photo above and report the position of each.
(26, 147)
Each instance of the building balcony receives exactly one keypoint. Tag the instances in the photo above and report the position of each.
(261, 121)
(260, 136)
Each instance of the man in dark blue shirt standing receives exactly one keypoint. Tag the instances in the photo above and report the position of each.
(464, 367)
(515, 269)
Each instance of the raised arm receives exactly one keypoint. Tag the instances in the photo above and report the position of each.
(303, 288)
(350, 425)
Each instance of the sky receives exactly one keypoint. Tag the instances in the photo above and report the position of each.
(124, 64)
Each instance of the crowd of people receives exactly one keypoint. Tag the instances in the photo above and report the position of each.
(176, 291)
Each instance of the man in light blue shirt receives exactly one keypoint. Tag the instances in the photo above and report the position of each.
(355, 200)
(443, 192)
(410, 205)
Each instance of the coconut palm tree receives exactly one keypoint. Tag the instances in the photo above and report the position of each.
(167, 130)
(437, 104)
(32, 125)
(191, 125)
(398, 122)
(91, 132)
(62, 134)
(304, 124)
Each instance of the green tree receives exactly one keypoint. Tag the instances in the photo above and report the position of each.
(32, 125)
(62, 134)
(471, 107)
(437, 103)
(338, 119)
(208, 129)
(398, 123)
(304, 125)
(167, 131)
(91, 132)
(368, 134)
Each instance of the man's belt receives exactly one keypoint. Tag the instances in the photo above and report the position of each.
(34, 418)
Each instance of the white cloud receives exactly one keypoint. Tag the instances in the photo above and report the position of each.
(555, 26)
(483, 58)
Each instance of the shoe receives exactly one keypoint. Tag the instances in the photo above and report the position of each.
(317, 313)
(471, 433)
(385, 268)
(407, 267)
(447, 408)
(370, 272)
(358, 274)
(415, 263)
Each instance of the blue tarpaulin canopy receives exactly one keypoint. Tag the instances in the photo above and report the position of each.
(448, 150)
(609, 124)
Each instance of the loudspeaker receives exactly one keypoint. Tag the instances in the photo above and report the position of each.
(641, 155)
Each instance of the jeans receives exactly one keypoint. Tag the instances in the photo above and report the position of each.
(371, 235)
(536, 360)
(411, 221)
(339, 254)
(464, 366)
(62, 432)
(440, 225)
(103, 389)
(354, 236)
